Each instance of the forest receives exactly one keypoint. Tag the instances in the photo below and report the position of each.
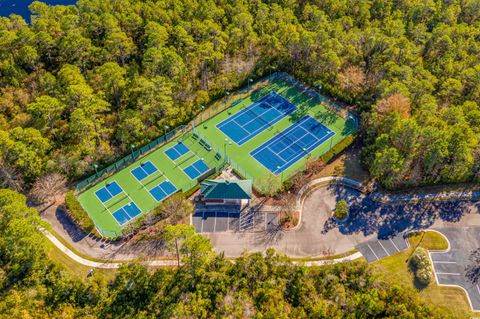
(83, 84)
(205, 286)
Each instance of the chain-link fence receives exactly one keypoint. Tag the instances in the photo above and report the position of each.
(210, 112)
(129, 159)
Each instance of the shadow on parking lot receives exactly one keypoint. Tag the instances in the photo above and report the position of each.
(369, 216)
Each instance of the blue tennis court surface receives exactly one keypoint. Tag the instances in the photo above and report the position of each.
(196, 169)
(144, 170)
(163, 190)
(256, 118)
(127, 213)
(289, 146)
(108, 191)
(177, 151)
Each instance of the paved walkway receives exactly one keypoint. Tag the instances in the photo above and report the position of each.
(317, 235)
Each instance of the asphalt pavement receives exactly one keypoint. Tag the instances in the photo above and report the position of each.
(450, 266)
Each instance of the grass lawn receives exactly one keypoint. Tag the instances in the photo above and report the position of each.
(72, 267)
(394, 269)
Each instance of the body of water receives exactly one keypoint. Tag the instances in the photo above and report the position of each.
(20, 7)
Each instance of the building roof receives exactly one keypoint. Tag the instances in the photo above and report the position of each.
(226, 189)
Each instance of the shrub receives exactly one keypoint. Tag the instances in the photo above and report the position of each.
(341, 209)
(420, 263)
(77, 213)
(343, 144)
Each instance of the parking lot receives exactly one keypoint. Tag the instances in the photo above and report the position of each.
(222, 221)
(449, 267)
(376, 249)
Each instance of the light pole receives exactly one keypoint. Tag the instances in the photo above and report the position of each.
(225, 143)
(201, 112)
(132, 147)
(281, 174)
(166, 127)
(271, 68)
(249, 81)
(96, 168)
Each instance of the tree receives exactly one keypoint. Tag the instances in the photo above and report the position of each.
(47, 187)
(175, 235)
(197, 252)
(46, 112)
(341, 209)
(394, 103)
(175, 208)
(387, 166)
(352, 80)
(110, 79)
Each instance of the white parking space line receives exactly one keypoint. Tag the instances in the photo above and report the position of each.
(394, 245)
(478, 289)
(444, 262)
(386, 252)
(215, 222)
(449, 273)
(373, 251)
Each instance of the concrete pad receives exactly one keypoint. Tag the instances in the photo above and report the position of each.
(448, 268)
(234, 224)
(389, 246)
(367, 252)
(380, 252)
(271, 220)
(221, 222)
(209, 222)
(197, 223)
(400, 242)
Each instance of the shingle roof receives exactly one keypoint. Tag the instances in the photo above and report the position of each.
(226, 189)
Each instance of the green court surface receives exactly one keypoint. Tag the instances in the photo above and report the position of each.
(206, 141)
(239, 155)
(138, 191)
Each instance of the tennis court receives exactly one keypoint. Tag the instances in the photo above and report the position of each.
(272, 128)
(108, 192)
(177, 151)
(196, 169)
(256, 118)
(294, 143)
(144, 170)
(163, 190)
(126, 213)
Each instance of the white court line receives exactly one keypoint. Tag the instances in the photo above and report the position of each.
(373, 251)
(245, 110)
(215, 223)
(449, 273)
(394, 245)
(261, 128)
(294, 142)
(296, 158)
(285, 134)
(383, 248)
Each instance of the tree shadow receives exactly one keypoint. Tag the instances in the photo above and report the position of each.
(369, 216)
(71, 228)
